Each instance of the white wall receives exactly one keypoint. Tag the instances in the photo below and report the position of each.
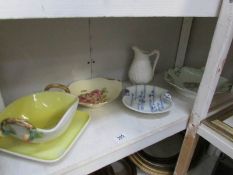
(228, 67)
(199, 45)
(34, 53)
(113, 38)
(199, 42)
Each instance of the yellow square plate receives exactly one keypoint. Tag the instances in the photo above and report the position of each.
(51, 151)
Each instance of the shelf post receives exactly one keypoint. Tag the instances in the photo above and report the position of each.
(183, 42)
(2, 106)
(217, 55)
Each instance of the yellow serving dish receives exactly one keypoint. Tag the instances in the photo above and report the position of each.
(39, 117)
(50, 151)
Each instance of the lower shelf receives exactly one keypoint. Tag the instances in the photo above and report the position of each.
(216, 139)
(114, 132)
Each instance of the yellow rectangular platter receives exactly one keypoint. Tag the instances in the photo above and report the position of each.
(49, 151)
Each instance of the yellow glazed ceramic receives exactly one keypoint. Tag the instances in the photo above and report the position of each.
(50, 151)
(112, 87)
(39, 117)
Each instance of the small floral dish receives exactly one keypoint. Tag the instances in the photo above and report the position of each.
(186, 81)
(93, 92)
(147, 99)
(96, 92)
(39, 117)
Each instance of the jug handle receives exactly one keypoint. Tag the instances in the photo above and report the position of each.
(157, 52)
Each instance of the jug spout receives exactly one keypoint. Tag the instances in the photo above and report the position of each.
(136, 49)
(143, 52)
(139, 54)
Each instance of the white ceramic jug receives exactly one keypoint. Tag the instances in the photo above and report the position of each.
(141, 71)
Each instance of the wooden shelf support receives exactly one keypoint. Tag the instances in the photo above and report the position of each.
(218, 52)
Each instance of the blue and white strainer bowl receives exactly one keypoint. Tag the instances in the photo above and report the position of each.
(147, 99)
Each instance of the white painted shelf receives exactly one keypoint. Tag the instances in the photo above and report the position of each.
(98, 146)
(223, 144)
(216, 139)
(20, 9)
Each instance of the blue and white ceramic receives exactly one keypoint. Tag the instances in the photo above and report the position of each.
(147, 99)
